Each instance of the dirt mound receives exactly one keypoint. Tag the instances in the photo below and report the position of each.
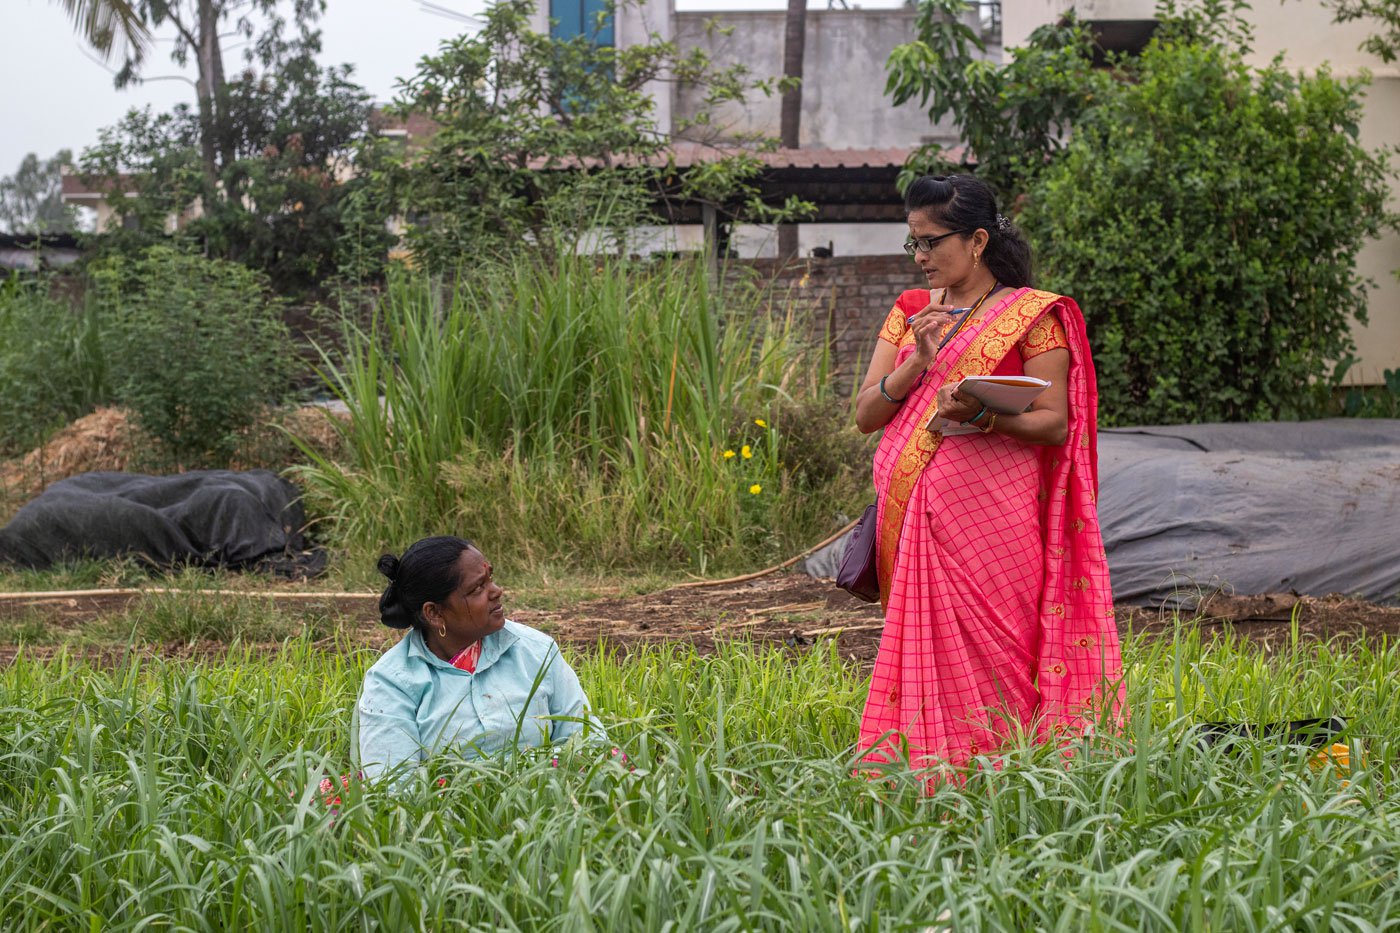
(107, 440)
(319, 427)
(99, 441)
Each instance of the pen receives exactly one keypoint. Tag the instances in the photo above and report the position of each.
(909, 321)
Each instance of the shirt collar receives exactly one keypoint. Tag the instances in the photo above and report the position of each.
(492, 647)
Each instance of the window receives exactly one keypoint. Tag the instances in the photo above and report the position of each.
(590, 18)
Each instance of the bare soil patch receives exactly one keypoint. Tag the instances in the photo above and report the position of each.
(783, 608)
(1270, 618)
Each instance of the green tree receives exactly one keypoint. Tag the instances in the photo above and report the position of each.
(1383, 14)
(279, 199)
(1013, 117)
(534, 131)
(196, 31)
(31, 199)
(110, 26)
(1207, 216)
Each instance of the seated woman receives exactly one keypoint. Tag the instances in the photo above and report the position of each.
(464, 676)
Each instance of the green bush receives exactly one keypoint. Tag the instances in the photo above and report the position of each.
(1207, 216)
(51, 363)
(196, 349)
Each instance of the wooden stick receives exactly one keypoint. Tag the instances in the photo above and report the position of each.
(842, 628)
(82, 594)
(278, 594)
(767, 570)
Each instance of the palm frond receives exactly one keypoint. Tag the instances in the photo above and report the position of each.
(110, 26)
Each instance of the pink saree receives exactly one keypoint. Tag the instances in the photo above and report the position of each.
(998, 609)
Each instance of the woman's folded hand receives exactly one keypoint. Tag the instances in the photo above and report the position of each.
(956, 407)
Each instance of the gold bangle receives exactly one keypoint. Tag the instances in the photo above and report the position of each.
(991, 423)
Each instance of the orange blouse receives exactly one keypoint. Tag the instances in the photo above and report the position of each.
(1047, 334)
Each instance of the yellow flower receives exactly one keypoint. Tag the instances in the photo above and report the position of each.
(729, 455)
(755, 489)
(760, 422)
(746, 452)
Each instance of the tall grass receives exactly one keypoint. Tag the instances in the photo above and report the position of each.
(52, 368)
(575, 409)
(182, 795)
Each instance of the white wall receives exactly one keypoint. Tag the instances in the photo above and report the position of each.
(1021, 17)
(752, 241)
(1304, 32)
(843, 101)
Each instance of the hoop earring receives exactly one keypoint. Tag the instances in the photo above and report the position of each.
(442, 630)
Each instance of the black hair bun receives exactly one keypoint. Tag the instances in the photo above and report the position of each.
(389, 566)
(391, 610)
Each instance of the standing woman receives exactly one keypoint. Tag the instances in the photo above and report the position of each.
(998, 612)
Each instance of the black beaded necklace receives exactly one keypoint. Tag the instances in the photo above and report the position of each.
(971, 312)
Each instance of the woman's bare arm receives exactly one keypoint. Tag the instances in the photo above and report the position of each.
(873, 410)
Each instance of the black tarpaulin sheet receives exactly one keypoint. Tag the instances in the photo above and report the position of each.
(218, 518)
(1307, 507)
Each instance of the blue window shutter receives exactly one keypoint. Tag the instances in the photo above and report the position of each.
(573, 18)
(597, 22)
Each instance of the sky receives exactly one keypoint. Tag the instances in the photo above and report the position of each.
(55, 96)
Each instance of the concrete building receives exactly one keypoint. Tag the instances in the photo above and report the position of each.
(845, 113)
(844, 106)
(1302, 32)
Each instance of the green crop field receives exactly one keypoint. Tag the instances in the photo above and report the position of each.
(144, 793)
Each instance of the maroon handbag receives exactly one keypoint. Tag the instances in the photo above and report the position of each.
(858, 574)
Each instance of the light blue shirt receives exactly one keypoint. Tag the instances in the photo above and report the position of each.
(413, 703)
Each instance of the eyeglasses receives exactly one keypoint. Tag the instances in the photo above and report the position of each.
(925, 244)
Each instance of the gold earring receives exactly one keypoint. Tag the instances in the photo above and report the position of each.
(442, 630)
(976, 260)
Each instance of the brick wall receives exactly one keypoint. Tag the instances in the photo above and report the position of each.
(849, 295)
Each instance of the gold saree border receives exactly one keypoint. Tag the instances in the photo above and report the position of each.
(981, 357)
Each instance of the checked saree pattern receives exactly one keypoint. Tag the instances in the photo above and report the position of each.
(998, 608)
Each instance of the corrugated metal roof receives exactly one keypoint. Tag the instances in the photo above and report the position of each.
(894, 156)
(74, 186)
(685, 155)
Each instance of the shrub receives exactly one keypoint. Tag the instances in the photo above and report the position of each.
(1207, 217)
(196, 349)
(51, 363)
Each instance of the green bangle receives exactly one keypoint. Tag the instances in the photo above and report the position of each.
(892, 401)
(970, 421)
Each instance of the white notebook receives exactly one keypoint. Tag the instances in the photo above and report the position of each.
(1005, 395)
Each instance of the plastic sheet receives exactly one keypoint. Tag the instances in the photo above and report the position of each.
(1304, 507)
